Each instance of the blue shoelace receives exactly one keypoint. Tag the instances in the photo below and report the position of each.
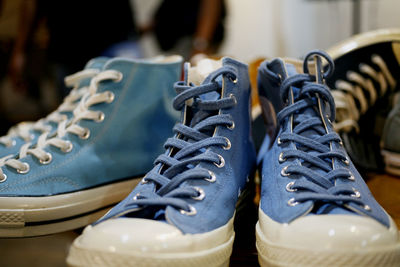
(189, 147)
(318, 160)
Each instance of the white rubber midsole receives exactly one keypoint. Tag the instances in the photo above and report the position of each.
(16, 212)
(270, 254)
(392, 162)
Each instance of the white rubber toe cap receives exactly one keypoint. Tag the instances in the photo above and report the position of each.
(326, 232)
(127, 236)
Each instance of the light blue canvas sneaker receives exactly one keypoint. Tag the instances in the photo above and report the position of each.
(70, 178)
(390, 141)
(315, 208)
(25, 132)
(182, 212)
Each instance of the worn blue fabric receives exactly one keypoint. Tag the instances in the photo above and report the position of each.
(123, 145)
(18, 141)
(305, 169)
(214, 130)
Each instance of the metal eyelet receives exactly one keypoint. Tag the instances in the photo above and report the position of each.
(13, 143)
(366, 207)
(281, 159)
(279, 141)
(68, 147)
(119, 78)
(144, 181)
(234, 98)
(47, 160)
(212, 178)
(289, 187)
(192, 211)
(228, 144)
(283, 171)
(110, 96)
(136, 196)
(25, 170)
(291, 202)
(233, 80)
(232, 126)
(86, 134)
(201, 195)
(100, 117)
(356, 194)
(221, 162)
(346, 161)
(341, 142)
(3, 178)
(351, 177)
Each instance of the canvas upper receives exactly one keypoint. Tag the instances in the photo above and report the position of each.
(111, 136)
(305, 169)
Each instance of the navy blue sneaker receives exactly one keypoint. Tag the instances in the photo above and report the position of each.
(363, 85)
(72, 176)
(182, 212)
(315, 208)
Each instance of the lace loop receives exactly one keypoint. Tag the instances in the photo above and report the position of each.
(190, 146)
(311, 152)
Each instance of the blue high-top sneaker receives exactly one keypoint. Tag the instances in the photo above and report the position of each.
(182, 212)
(25, 132)
(315, 208)
(70, 178)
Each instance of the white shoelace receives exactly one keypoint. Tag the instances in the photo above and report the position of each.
(69, 103)
(347, 112)
(81, 111)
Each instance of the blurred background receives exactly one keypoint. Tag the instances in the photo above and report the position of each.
(42, 41)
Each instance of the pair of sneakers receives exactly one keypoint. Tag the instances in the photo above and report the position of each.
(182, 211)
(315, 208)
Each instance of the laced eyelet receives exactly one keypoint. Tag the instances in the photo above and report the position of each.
(136, 196)
(351, 177)
(192, 211)
(25, 170)
(3, 178)
(68, 147)
(110, 96)
(144, 181)
(233, 97)
(356, 194)
(86, 134)
(232, 126)
(281, 159)
(100, 117)
(234, 80)
(346, 161)
(341, 142)
(228, 144)
(221, 162)
(289, 187)
(366, 207)
(201, 195)
(212, 178)
(119, 78)
(13, 143)
(283, 171)
(279, 141)
(47, 160)
(291, 202)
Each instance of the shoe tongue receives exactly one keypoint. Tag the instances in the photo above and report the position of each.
(198, 75)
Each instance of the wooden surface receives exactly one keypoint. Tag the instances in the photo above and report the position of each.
(52, 250)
